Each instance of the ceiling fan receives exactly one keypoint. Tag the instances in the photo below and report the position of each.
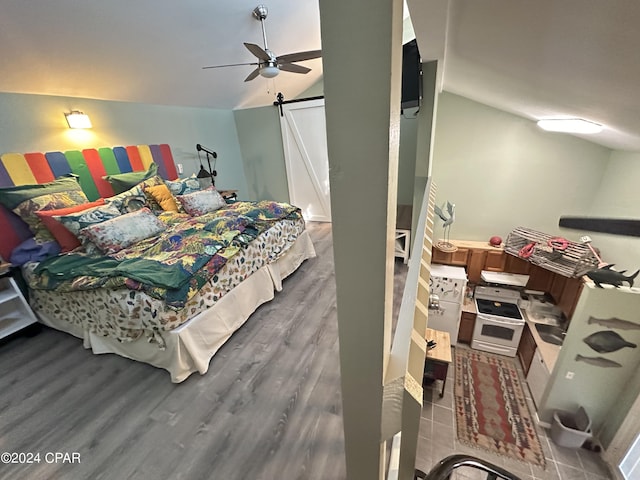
(268, 65)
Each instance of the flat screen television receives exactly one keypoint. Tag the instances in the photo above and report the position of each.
(411, 75)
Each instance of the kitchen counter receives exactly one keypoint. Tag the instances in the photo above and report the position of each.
(548, 351)
(469, 305)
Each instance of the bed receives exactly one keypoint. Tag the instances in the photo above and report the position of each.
(169, 296)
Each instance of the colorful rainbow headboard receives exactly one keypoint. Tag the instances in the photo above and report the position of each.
(90, 165)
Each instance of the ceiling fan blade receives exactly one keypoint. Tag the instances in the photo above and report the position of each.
(290, 67)
(230, 65)
(299, 56)
(257, 51)
(252, 75)
(615, 226)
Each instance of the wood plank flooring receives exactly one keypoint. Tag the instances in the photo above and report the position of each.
(268, 408)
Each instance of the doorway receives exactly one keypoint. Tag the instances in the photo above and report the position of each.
(304, 139)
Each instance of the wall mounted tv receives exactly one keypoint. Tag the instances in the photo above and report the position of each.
(411, 75)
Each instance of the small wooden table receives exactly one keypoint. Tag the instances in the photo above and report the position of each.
(436, 364)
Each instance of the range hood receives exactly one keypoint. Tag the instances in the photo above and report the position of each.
(503, 278)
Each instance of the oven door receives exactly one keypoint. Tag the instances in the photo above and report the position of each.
(497, 334)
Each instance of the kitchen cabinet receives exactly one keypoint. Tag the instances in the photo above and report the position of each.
(540, 279)
(495, 260)
(570, 295)
(526, 349)
(475, 265)
(557, 287)
(516, 265)
(459, 257)
(537, 378)
(467, 323)
(438, 256)
(479, 256)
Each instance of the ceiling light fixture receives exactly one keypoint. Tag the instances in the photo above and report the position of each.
(77, 119)
(269, 71)
(569, 125)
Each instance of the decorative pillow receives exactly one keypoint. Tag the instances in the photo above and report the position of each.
(74, 222)
(184, 186)
(65, 238)
(11, 197)
(50, 201)
(123, 231)
(199, 203)
(163, 196)
(32, 251)
(121, 182)
(134, 198)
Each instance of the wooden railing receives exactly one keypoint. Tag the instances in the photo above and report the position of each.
(402, 399)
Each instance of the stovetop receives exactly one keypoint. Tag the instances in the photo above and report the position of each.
(498, 301)
(498, 308)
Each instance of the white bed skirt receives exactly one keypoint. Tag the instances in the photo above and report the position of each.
(190, 347)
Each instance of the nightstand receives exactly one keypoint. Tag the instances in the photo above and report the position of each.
(229, 196)
(15, 312)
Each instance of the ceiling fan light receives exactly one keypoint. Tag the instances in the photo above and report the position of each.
(569, 125)
(269, 71)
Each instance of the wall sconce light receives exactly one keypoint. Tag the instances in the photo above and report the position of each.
(77, 119)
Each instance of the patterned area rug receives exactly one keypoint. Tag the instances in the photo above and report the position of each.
(491, 409)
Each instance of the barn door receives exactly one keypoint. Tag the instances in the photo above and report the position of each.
(305, 151)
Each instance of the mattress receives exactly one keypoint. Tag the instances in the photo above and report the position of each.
(190, 347)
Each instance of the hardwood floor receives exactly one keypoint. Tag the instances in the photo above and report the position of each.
(268, 408)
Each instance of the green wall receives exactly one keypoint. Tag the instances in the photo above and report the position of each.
(617, 197)
(502, 172)
(33, 123)
(260, 141)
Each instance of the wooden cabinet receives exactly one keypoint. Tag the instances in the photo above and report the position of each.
(557, 287)
(459, 257)
(570, 295)
(540, 279)
(475, 265)
(526, 349)
(495, 261)
(479, 256)
(516, 265)
(467, 323)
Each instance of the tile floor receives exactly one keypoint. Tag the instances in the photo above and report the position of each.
(438, 439)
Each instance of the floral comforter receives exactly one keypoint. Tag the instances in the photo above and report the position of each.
(172, 266)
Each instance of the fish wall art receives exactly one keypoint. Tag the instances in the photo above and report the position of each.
(614, 322)
(598, 361)
(607, 341)
(606, 275)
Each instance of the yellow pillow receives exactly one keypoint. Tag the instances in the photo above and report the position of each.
(163, 196)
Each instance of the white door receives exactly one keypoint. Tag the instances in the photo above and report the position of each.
(304, 138)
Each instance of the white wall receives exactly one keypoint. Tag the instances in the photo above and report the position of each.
(502, 172)
(36, 123)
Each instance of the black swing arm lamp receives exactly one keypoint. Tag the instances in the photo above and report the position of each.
(211, 173)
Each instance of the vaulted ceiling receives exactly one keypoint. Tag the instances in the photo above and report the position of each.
(534, 59)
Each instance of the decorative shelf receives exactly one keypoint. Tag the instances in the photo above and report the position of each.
(576, 260)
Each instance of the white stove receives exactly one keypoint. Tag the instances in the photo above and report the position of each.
(499, 321)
